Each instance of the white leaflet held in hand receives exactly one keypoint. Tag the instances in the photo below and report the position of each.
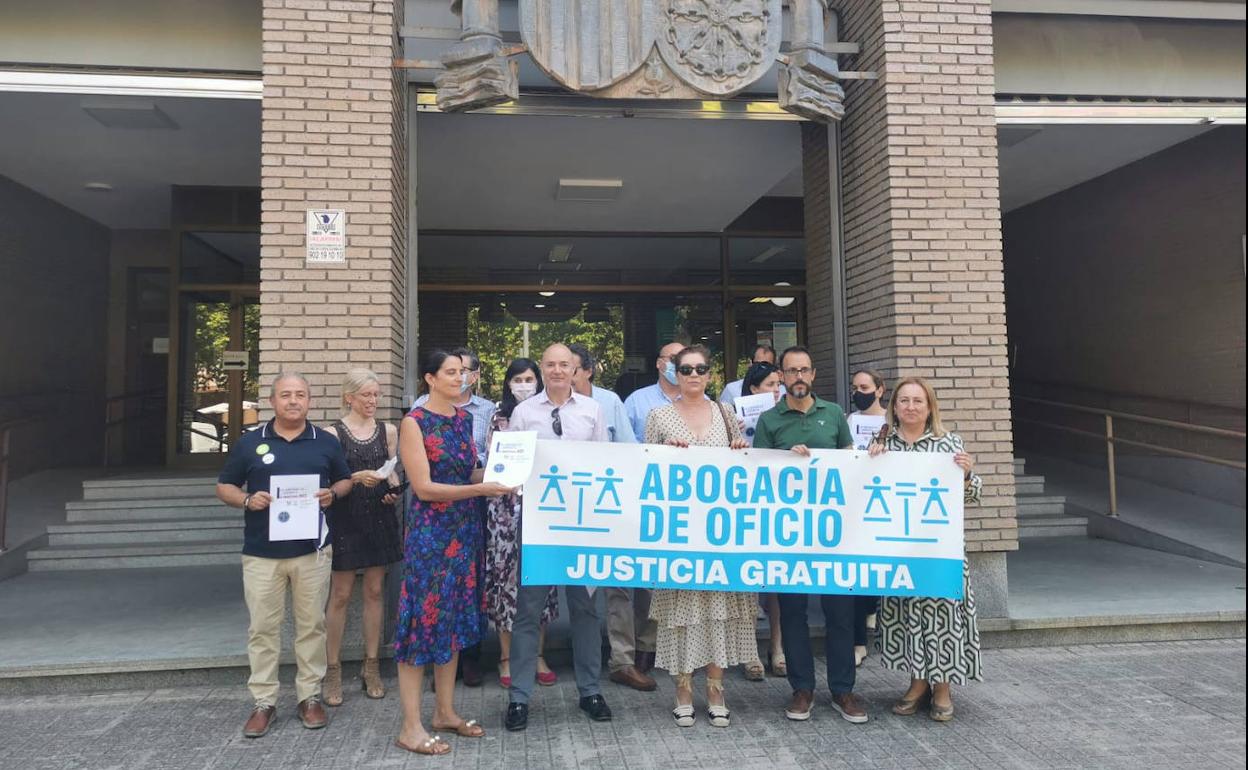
(385, 470)
(510, 460)
(294, 513)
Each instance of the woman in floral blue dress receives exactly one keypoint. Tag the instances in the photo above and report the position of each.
(439, 606)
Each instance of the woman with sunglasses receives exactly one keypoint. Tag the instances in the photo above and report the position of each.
(764, 377)
(700, 629)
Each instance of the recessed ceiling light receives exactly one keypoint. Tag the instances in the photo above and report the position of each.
(766, 255)
(560, 252)
(127, 113)
(98, 187)
(589, 189)
(539, 307)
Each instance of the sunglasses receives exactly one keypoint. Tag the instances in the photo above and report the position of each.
(555, 423)
(687, 369)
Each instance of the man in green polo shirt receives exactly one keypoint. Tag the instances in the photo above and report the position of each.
(802, 422)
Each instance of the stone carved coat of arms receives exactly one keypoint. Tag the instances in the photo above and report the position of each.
(645, 49)
(663, 48)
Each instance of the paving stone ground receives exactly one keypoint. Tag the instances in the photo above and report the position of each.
(1163, 705)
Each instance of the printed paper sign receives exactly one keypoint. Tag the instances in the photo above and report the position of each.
(510, 459)
(327, 235)
(864, 427)
(703, 518)
(750, 407)
(294, 513)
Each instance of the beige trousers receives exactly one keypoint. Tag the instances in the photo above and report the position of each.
(264, 587)
(629, 627)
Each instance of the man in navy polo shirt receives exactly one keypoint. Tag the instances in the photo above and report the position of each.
(286, 445)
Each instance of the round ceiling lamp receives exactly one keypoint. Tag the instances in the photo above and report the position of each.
(782, 301)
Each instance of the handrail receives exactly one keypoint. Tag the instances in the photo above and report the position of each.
(1111, 440)
(1031, 384)
(110, 423)
(6, 429)
(1187, 426)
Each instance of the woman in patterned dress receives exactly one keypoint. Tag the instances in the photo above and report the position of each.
(364, 528)
(935, 640)
(439, 608)
(502, 553)
(696, 629)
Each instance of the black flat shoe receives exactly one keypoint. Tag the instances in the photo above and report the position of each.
(596, 707)
(517, 717)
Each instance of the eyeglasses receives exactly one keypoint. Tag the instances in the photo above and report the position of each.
(688, 369)
(794, 372)
(555, 424)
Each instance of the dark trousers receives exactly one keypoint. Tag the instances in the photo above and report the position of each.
(838, 643)
(863, 606)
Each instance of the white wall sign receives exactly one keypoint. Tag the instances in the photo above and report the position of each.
(327, 235)
(235, 360)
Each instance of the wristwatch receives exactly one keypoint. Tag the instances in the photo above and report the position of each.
(246, 501)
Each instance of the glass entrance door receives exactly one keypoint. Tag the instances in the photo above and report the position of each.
(216, 380)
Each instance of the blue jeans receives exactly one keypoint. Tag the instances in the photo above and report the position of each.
(838, 642)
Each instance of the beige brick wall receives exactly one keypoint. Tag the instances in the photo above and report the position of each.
(333, 125)
(922, 226)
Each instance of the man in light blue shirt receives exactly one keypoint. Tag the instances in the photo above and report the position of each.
(641, 402)
(618, 427)
(732, 391)
(481, 409)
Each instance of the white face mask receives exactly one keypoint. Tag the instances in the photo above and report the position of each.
(523, 390)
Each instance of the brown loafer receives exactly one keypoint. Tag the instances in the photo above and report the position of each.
(800, 706)
(850, 708)
(312, 713)
(259, 722)
(906, 707)
(629, 676)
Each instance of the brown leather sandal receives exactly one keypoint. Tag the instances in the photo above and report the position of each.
(432, 746)
(906, 707)
(469, 728)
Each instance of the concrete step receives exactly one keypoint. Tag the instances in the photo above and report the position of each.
(158, 487)
(198, 507)
(1041, 505)
(1028, 485)
(142, 532)
(132, 556)
(1052, 526)
(1020, 464)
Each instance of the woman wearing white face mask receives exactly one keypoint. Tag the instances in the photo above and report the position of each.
(523, 380)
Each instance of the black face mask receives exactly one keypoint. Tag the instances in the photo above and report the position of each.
(863, 401)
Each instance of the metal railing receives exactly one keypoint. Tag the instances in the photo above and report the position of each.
(6, 433)
(110, 423)
(1111, 439)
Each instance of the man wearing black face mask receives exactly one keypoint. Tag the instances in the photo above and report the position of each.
(801, 422)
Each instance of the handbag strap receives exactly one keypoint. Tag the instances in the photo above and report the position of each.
(723, 412)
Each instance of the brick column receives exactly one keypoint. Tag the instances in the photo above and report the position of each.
(334, 125)
(922, 233)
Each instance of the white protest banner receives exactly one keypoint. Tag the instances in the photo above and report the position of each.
(704, 518)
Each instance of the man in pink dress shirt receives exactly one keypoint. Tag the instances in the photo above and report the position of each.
(557, 414)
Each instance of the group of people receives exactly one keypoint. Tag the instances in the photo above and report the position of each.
(459, 544)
